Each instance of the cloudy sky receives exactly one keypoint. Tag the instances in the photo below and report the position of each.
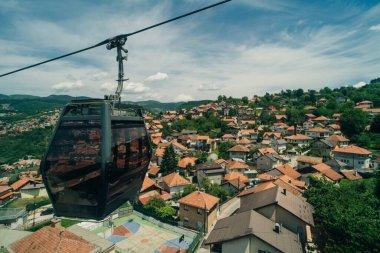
(242, 48)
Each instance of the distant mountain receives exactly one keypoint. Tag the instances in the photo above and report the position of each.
(32, 104)
(156, 106)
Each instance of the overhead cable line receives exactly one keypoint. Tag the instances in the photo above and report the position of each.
(118, 37)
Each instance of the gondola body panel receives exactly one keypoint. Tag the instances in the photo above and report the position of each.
(96, 160)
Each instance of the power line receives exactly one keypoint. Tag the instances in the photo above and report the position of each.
(118, 37)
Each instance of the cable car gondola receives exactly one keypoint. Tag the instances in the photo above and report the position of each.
(98, 155)
(100, 151)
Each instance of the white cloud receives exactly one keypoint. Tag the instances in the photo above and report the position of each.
(359, 85)
(157, 77)
(109, 87)
(375, 27)
(99, 76)
(135, 88)
(183, 97)
(209, 87)
(67, 86)
(150, 96)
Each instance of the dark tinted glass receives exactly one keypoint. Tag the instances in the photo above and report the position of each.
(82, 110)
(73, 167)
(130, 159)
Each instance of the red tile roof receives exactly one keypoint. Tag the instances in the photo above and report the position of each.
(49, 239)
(288, 170)
(238, 148)
(351, 174)
(337, 138)
(327, 171)
(352, 149)
(309, 159)
(298, 137)
(267, 150)
(258, 188)
(235, 165)
(20, 183)
(148, 182)
(199, 199)
(187, 160)
(236, 175)
(153, 170)
(174, 179)
(317, 130)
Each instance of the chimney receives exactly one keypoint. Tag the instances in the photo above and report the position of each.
(56, 223)
(283, 191)
(277, 228)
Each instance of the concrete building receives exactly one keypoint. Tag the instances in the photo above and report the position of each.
(354, 157)
(198, 210)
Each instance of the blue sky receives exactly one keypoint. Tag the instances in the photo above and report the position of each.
(242, 48)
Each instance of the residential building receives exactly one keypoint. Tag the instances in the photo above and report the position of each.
(328, 173)
(323, 147)
(317, 132)
(279, 145)
(252, 232)
(149, 189)
(213, 171)
(355, 157)
(236, 166)
(268, 161)
(13, 217)
(239, 152)
(304, 161)
(283, 207)
(339, 140)
(198, 210)
(299, 140)
(33, 189)
(174, 183)
(6, 194)
(49, 239)
(351, 175)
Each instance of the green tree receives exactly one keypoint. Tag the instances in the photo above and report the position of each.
(223, 149)
(166, 211)
(353, 122)
(189, 189)
(375, 126)
(169, 161)
(244, 100)
(155, 203)
(347, 218)
(13, 178)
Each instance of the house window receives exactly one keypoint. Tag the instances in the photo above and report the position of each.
(199, 211)
(185, 220)
(186, 207)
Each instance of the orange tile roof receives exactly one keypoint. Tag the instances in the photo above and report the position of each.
(236, 175)
(49, 239)
(178, 145)
(228, 136)
(327, 171)
(365, 102)
(309, 159)
(6, 195)
(352, 149)
(351, 175)
(267, 150)
(4, 188)
(187, 160)
(337, 138)
(174, 179)
(309, 107)
(235, 165)
(288, 170)
(317, 129)
(321, 118)
(266, 177)
(199, 137)
(278, 117)
(148, 182)
(20, 183)
(244, 141)
(160, 152)
(153, 170)
(298, 137)
(247, 131)
(258, 188)
(200, 200)
(275, 134)
(292, 181)
(238, 148)
(219, 161)
(310, 115)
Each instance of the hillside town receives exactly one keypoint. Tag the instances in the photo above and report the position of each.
(237, 178)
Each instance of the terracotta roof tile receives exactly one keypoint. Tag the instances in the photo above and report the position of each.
(286, 169)
(351, 174)
(174, 179)
(257, 188)
(153, 170)
(235, 165)
(321, 118)
(236, 175)
(160, 152)
(148, 182)
(20, 183)
(309, 159)
(187, 160)
(337, 138)
(238, 148)
(49, 239)
(298, 137)
(199, 199)
(327, 171)
(317, 130)
(352, 149)
(267, 150)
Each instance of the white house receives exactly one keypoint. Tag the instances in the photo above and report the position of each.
(355, 157)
